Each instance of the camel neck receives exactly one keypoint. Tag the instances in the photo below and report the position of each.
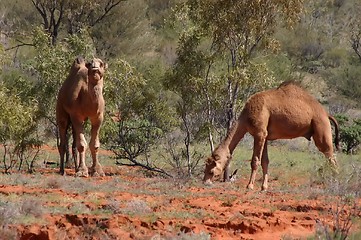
(95, 91)
(233, 137)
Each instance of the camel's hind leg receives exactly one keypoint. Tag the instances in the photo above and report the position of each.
(96, 169)
(258, 145)
(264, 163)
(63, 123)
(81, 146)
(323, 140)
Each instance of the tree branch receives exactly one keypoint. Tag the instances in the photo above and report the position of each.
(135, 163)
(110, 5)
(19, 45)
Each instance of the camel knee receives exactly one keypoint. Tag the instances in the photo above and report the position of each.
(255, 163)
(81, 145)
(94, 144)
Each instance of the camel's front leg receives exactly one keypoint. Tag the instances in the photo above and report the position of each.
(226, 173)
(96, 169)
(264, 162)
(75, 152)
(258, 145)
(81, 146)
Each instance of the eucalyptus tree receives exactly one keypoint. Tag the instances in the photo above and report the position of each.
(74, 14)
(216, 52)
(240, 28)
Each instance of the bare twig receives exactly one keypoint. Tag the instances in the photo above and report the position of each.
(135, 163)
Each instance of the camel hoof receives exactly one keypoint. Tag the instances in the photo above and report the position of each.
(82, 173)
(250, 186)
(97, 172)
(208, 182)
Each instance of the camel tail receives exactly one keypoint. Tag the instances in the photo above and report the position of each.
(337, 137)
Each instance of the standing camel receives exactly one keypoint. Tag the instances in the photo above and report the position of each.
(81, 98)
(283, 113)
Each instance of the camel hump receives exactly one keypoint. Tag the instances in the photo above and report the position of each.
(78, 63)
(337, 138)
(79, 60)
(290, 83)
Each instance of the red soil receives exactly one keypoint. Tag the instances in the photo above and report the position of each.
(225, 210)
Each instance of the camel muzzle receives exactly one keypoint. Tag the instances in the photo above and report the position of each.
(208, 182)
(95, 66)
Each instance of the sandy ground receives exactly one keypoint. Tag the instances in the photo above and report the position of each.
(167, 208)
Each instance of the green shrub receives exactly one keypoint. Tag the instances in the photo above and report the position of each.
(350, 134)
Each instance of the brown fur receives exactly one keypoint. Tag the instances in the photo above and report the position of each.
(283, 113)
(80, 98)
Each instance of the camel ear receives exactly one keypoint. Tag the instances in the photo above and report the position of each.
(209, 160)
(88, 65)
(218, 165)
(105, 66)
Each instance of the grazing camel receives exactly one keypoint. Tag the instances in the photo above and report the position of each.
(283, 113)
(80, 98)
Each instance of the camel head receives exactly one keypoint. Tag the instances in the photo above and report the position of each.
(96, 68)
(215, 165)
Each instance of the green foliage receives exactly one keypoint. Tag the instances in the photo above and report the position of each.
(346, 78)
(350, 133)
(17, 124)
(16, 119)
(124, 87)
(279, 65)
(134, 138)
(137, 115)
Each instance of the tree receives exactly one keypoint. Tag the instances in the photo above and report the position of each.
(17, 126)
(75, 14)
(215, 56)
(136, 117)
(238, 29)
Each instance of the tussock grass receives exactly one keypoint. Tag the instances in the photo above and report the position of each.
(184, 236)
(8, 233)
(137, 207)
(24, 211)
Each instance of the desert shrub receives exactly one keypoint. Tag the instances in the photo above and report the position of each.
(137, 206)
(79, 208)
(344, 214)
(16, 127)
(9, 213)
(133, 139)
(346, 79)
(175, 156)
(32, 207)
(54, 183)
(94, 232)
(184, 235)
(114, 206)
(335, 57)
(139, 116)
(343, 191)
(350, 134)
